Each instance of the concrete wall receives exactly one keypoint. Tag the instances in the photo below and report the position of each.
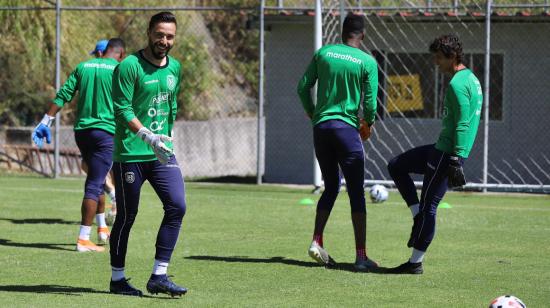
(203, 149)
(518, 144)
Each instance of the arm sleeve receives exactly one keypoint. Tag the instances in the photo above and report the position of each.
(370, 89)
(68, 90)
(123, 91)
(306, 83)
(461, 116)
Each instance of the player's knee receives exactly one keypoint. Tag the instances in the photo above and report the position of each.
(358, 206)
(178, 209)
(392, 166)
(93, 191)
(331, 191)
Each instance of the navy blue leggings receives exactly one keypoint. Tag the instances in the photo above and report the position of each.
(167, 181)
(96, 147)
(338, 145)
(433, 163)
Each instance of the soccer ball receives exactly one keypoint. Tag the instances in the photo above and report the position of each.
(507, 301)
(378, 193)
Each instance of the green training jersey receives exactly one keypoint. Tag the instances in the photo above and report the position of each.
(148, 92)
(93, 81)
(345, 75)
(461, 113)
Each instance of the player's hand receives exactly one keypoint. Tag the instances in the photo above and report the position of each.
(364, 130)
(42, 130)
(156, 141)
(455, 173)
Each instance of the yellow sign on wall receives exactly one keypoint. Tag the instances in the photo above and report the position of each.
(404, 93)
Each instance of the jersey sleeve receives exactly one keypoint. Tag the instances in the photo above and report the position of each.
(124, 78)
(306, 83)
(370, 90)
(174, 109)
(68, 90)
(461, 97)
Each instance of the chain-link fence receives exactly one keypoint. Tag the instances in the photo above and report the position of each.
(216, 131)
(510, 153)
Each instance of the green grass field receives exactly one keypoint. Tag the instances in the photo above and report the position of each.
(244, 245)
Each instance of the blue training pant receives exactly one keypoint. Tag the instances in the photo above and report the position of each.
(433, 163)
(338, 145)
(96, 147)
(167, 181)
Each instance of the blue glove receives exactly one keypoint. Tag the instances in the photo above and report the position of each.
(42, 130)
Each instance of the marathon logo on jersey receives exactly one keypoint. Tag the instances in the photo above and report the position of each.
(161, 98)
(171, 82)
(100, 65)
(335, 55)
(129, 177)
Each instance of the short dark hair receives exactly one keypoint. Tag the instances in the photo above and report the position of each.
(115, 43)
(353, 24)
(162, 17)
(449, 45)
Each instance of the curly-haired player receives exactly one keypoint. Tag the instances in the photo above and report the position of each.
(441, 163)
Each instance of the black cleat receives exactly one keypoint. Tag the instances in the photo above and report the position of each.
(414, 231)
(122, 287)
(164, 285)
(407, 268)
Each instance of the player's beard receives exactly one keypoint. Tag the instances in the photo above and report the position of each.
(159, 55)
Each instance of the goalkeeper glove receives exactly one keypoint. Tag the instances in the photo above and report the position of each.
(162, 152)
(455, 173)
(364, 130)
(42, 130)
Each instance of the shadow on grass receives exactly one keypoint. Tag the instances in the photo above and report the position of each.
(46, 221)
(348, 267)
(65, 290)
(50, 289)
(4, 242)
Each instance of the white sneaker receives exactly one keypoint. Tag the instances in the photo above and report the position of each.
(319, 254)
(86, 245)
(365, 265)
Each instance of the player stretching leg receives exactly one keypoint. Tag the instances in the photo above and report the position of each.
(145, 88)
(441, 163)
(94, 128)
(345, 75)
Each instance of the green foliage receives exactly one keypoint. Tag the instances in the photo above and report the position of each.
(197, 78)
(27, 78)
(239, 46)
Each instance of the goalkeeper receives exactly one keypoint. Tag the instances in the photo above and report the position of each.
(93, 129)
(145, 87)
(441, 163)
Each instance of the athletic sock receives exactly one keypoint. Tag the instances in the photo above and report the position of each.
(318, 238)
(117, 273)
(160, 267)
(85, 232)
(417, 256)
(100, 220)
(415, 208)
